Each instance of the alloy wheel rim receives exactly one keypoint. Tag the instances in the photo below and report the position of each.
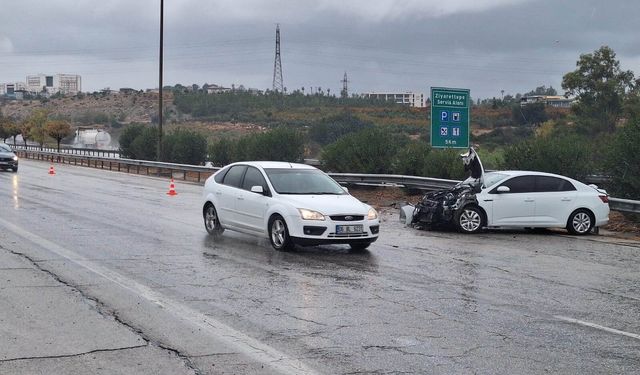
(211, 219)
(470, 220)
(277, 233)
(581, 222)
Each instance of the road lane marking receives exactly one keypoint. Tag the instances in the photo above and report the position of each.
(598, 326)
(253, 348)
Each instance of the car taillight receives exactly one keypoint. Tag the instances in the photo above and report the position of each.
(604, 198)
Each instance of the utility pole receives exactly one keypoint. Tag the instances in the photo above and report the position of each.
(160, 83)
(278, 85)
(345, 87)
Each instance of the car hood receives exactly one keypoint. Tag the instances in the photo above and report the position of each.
(7, 154)
(472, 163)
(327, 204)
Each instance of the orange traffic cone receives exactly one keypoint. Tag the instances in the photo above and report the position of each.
(172, 189)
(51, 170)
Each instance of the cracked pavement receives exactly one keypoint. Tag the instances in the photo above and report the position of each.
(128, 280)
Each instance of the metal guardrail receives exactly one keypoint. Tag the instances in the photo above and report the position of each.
(71, 150)
(185, 172)
(199, 173)
(624, 205)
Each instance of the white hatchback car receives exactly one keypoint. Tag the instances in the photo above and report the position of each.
(288, 203)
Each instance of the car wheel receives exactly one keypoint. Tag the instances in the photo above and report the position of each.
(580, 222)
(14, 169)
(212, 221)
(279, 234)
(470, 220)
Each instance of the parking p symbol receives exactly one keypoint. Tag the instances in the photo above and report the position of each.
(444, 116)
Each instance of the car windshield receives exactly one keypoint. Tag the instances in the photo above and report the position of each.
(492, 177)
(303, 181)
(5, 148)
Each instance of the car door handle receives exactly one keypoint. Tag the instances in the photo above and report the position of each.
(240, 198)
(218, 193)
(566, 199)
(529, 200)
(488, 200)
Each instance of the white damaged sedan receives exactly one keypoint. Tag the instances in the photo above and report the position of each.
(291, 204)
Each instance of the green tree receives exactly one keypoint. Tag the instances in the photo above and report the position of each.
(145, 145)
(184, 147)
(221, 151)
(331, 129)
(127, 137)
(444, 163)
(569, 155)
(8, 128)
(600, 86)
(139, 141)
(58, 129)
(411, 160)
(37, 120)
(280, 144)
(25, 130)
(621, 161)
(531, 114)
(368, 151)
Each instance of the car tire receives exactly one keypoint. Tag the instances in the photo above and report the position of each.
(470, 220)
(580, 222)
(211, 220)
(279, 234)
(14, 169)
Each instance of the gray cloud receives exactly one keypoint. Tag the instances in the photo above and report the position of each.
(486, 46)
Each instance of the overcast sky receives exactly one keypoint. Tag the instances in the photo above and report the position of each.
(393, 45)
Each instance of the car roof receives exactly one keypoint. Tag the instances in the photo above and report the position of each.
(275, 165)
(513, 173)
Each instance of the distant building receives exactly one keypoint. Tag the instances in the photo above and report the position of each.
(407, 98)
(10, 89)
(67, 84)
(549, 100)
(127, 90)
(215, 89)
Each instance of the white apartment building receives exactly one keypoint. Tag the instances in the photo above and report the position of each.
(53, 84)
(11, 88)
(407, 98)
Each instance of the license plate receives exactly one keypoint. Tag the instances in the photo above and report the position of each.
(348, 229)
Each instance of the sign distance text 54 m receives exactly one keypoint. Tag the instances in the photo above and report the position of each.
(449, 117)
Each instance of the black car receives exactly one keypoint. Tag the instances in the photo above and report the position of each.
(8, 159)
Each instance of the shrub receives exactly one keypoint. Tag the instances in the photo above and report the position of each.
(184, 147)
(139, 142)
(622, 164)
(368, 151)
(569, 155)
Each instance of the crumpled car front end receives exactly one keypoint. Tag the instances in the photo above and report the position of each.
(439, 208)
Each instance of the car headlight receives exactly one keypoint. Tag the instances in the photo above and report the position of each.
(372, 214)
(15, 158)
(310, 215)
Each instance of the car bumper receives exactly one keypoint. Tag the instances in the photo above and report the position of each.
(311, 232)
(8, 164)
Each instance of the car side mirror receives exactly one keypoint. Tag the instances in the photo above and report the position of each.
(345, 189)
(257, 189)
(503, 189)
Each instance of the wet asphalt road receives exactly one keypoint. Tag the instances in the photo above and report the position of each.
(416, 302)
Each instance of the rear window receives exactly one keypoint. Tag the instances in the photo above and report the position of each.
(234, 176)
(548, 183)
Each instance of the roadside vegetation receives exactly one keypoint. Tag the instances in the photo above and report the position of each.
(599, 134)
